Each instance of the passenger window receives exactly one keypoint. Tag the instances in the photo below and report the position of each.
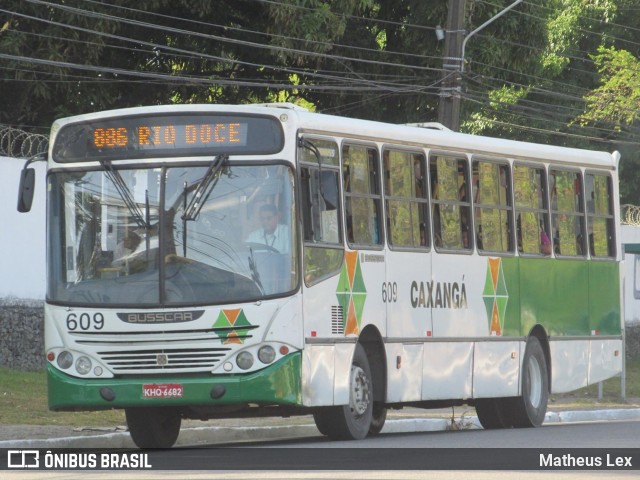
(567, 212)
(362, 195)
(491, 192)
(405, 198)
(322, 233)
(532, 218)
(450, 202)
(600, 222)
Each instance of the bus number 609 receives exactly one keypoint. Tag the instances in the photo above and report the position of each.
(85, 321)
(389, 292)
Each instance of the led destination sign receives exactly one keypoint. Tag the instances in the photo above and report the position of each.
(167, 136)
(172, 136)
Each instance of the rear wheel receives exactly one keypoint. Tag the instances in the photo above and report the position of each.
(153, 427)
(493, 413)
(352, 421)
(530, 408)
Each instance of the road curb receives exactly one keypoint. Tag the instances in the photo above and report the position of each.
(197, 436)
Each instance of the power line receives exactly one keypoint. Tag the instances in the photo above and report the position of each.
(350, 82)
(284, 37)
(245, 43)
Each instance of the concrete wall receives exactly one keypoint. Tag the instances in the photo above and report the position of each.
(22, 334)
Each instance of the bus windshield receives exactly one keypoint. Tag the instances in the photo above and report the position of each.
(171, 235)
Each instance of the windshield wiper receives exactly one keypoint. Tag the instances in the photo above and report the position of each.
(192, 210)
(200, 196)
(254, 271)
(125, 194)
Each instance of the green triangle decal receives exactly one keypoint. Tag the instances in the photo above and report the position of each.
(502, 285)
(358, 303)
(488, 304)
(358, 281)
(488, 285)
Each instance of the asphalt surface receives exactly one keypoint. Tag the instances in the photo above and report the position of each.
(194, 433)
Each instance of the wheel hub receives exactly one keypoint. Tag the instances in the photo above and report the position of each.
(360, 395)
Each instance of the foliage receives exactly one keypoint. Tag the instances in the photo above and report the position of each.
(554, 71)
(617, 100)
(107, 42)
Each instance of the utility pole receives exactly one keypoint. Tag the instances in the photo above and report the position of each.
(455, 42)
(449, 104)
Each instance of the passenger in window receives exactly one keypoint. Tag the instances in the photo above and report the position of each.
(125, 248)
(273, 234)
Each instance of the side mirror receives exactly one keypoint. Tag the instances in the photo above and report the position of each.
(26, 189)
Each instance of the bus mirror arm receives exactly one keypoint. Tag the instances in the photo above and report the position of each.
(26, 189)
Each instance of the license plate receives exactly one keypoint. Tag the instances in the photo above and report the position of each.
(162, 390)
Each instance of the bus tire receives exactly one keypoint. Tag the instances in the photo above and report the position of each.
(378, 417)
(352, 421)
(530, 408)
(493, 413)
(153, 427)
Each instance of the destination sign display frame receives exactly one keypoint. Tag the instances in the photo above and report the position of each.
(167, 135)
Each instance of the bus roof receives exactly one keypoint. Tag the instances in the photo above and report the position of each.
(367, 130)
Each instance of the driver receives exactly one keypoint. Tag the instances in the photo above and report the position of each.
(272, 234)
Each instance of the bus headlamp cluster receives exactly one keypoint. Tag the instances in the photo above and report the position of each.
(83, 363)
(266, 355)
(75, 363)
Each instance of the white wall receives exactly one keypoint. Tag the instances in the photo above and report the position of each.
(22, 235)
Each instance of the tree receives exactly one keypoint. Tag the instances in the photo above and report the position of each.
(84, 56)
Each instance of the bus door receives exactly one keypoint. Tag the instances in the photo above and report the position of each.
(404, 291)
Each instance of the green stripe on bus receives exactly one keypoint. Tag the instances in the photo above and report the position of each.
(565, 296)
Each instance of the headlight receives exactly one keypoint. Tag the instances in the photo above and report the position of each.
(83, 365)
(267, 354)
(244, 360)
(65, 360)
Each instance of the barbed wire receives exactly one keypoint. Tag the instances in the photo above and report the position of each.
(630, 215)
(20, 144)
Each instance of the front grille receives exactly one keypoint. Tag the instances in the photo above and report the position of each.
(166, 360)
(161, 352)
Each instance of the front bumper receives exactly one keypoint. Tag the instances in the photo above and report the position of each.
(278, 384)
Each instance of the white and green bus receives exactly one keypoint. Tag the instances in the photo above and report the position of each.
(210, 261)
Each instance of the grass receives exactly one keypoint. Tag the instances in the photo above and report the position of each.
(23, 399)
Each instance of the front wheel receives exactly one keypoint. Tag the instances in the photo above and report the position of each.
(353, 421)
(530, 408)
(153, 427)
